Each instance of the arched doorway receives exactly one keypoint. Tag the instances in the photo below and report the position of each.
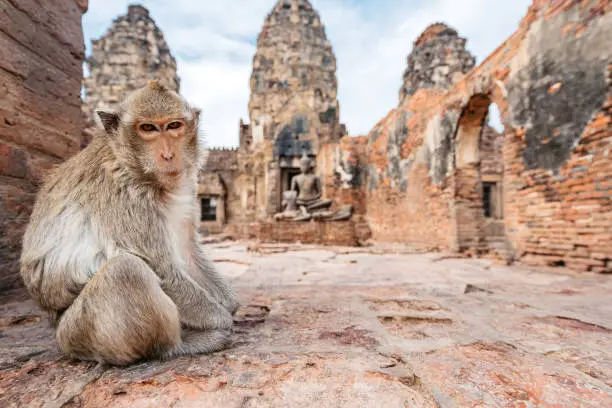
(478, 199)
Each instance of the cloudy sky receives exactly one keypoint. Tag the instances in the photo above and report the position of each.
(214, 43)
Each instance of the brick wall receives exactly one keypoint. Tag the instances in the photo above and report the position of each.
(565, 219)
(342, 168)
(222, 160)
(491, 144)
(427, 158)
(41, 55)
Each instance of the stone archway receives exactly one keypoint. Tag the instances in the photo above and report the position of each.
(478, 180)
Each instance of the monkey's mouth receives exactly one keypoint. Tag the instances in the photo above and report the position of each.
(172, 173)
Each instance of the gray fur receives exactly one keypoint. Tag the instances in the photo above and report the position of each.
(112, 250)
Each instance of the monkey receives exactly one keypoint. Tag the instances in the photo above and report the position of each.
(112, 251)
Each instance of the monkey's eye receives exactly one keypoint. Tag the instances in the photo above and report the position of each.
(174, 125)
(147, 127)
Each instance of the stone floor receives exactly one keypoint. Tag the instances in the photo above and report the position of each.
(335, 327)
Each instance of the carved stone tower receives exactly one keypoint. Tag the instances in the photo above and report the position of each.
(131, 52)
(438, 60)
(293, 84)
(293, 107)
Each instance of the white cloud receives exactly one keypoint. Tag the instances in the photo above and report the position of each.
(214, 45)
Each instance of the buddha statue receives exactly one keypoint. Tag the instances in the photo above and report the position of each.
(308, 187)
(303, 201)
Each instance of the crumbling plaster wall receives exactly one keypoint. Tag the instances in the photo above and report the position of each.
(549, 82)
(41, 55)
(342, 168)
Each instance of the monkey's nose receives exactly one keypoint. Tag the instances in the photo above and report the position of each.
(167, 156)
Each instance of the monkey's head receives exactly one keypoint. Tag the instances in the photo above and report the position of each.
(154, 133)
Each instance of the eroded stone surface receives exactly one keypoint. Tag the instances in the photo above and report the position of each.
(294, 70)
(438, 60)
(346, 327)
(41, 54)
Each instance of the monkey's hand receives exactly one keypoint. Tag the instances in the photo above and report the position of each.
(197, 308)
(210, 316)
(230, 301)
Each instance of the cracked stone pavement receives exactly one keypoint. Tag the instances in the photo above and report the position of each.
(352, 327)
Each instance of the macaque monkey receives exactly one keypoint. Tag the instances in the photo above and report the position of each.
(112, 250)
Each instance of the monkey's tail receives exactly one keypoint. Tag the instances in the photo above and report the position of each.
(200, 342)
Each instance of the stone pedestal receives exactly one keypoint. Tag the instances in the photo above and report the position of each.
(341, 233)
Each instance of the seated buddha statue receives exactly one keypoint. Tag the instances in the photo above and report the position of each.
(308, 188)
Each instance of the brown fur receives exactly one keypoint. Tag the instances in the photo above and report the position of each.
(112, 249)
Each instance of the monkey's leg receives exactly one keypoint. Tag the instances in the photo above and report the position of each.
(122, 315)
(200, 342)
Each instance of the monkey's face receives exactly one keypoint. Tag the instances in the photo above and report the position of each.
(163, 141)
(165, 145)
(155, 133)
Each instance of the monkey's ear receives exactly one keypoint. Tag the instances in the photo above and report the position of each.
(196, 115)
(110, 121)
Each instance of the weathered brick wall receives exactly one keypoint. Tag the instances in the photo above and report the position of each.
(491, 144)
(222, 160)
(558, 163)
(409, 195)
(354, 232)
(565, 216)
(549, 82)
(41, 55)
(342, 168)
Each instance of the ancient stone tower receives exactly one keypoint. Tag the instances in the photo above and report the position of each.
(131, 52)
(293, 108)
(438, 60)
(294, 73)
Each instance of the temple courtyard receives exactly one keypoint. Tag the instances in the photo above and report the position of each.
(381, 326)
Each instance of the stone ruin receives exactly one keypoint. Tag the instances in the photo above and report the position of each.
(294, 113)
(294, 77)
(430, 174)
(424, 176)
(41, 56)
(438, 60)
(131, 52)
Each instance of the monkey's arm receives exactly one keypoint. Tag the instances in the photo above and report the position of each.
(204, 272)
(55, 269)
(54, 290)
(196, 302)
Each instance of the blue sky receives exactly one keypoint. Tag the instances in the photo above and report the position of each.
(214, 43)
